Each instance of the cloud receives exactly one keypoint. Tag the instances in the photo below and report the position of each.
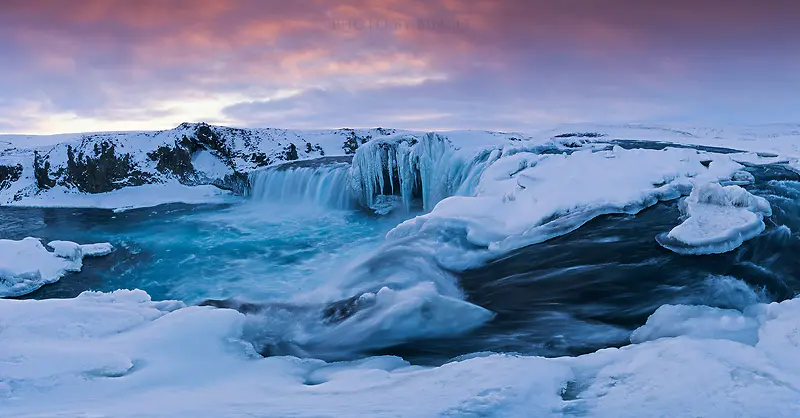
(113, 64)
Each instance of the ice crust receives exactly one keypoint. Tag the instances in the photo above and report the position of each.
(27, 265)
(522, 196)
(718, 219)
(120, 354)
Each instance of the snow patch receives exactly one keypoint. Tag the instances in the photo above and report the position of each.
(26, 265)
(719, 219)
(148, 195)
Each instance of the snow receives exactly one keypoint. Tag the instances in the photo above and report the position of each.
(719, 219)
(129, 197)
(524, 197)
(26, 265)
(121, 354)
(209, 165)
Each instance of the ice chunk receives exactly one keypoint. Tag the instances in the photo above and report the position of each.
(97, 250)
(66, 249)
(26, 265)
(698, 322)
(719, 219)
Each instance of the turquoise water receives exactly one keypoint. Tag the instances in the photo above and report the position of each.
(255, 252)
(571, 295)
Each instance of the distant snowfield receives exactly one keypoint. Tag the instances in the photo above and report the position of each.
(122, 355)
(130, 197)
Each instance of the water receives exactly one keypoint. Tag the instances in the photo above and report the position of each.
(191, 253)
(292, 254)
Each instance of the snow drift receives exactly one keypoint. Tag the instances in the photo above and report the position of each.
(148, 359)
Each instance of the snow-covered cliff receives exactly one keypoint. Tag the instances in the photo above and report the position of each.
(191, 154)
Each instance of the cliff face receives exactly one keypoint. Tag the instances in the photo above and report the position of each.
(192, 154)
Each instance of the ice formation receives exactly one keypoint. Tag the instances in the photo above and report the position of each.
(429, 167)
(718, 219)
(26, 265)
(524, 196)
(148, 359)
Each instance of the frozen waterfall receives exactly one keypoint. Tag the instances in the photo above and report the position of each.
(321, 182)
(427, 168)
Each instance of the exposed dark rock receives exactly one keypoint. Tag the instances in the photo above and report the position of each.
(260, 159)
(314, 148)
(41, 171)
(236, 182)
(9, 174)
(102, 172)
(290, 153)
(175, 160)
(353, 141)
(580, 135)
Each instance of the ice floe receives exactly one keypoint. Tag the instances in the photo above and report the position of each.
(718, 219)
(27, 265)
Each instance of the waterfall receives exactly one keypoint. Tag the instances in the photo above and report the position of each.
(428, 168)
(323, 182)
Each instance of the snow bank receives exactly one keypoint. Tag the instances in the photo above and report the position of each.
(719, 219)
(525, 197)
(129, 198)
(26, 265)
(120, 354)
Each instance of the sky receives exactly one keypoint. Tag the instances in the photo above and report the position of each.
(99, 65)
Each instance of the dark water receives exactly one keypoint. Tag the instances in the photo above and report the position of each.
(570, 295)
(589, 289)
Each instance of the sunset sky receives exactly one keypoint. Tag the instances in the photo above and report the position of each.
(88, 65)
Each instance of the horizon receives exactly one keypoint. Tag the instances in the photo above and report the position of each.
(107, 65)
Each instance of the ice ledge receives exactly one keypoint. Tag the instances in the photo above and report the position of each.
(718, 219)
(26, 265)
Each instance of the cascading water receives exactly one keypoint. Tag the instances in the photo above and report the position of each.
(429, 168)
(322, 182)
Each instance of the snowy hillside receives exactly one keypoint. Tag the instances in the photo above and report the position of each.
(81, 166)
(191, 154)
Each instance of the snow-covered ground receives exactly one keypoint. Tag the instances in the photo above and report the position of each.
(27, 265)
(122, 355)
(132, 197)
(485, 193)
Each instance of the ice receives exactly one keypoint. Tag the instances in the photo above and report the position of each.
(26, 265)
(698, 321)
(121, 354)
(719, 219)
(397, 316)
(430, 167)
(524, 197)
(129, 197)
